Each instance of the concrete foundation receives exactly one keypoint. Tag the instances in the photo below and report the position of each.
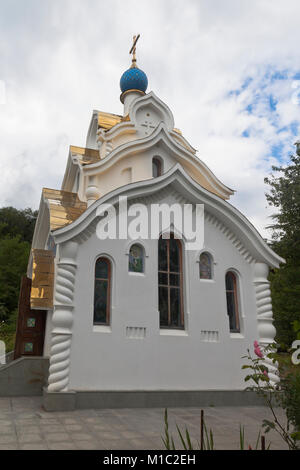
(63, 401)
(24, 377)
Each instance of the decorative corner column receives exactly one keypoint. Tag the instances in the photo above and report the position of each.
(266, 329)
(92, 192)
(62, 318)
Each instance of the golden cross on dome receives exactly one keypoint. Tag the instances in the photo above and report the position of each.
(133, 50)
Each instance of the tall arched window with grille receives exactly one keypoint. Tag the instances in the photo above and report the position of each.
(232, 298)
(170, 283)
(102, 291)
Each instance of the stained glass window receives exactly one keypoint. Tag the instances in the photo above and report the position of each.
(205, 266)
(102, 292)
(30, 322)
(136, 259)
(28, 347)
(232, 302)
(170, 283)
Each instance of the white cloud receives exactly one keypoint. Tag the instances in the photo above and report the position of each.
(63, 58)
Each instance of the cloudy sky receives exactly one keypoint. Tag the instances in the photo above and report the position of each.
(228, 69)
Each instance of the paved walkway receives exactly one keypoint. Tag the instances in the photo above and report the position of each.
(25, 425)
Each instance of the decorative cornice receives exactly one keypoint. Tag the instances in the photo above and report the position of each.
(249, 240)
(160, 134)
(231, 236)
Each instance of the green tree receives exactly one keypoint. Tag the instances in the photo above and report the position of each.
(14, 255)
(284, 195)
(14, 222)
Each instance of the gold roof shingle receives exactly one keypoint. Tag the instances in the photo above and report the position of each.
(41, 295)
(107, 120)
(88, 155)
(64, 206)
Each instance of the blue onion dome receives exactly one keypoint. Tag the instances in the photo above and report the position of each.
(134, 79)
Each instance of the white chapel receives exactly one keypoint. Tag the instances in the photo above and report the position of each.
(144, 321)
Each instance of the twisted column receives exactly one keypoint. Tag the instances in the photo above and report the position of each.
(266, 330)
(62, 318)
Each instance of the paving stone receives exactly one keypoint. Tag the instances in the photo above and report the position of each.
(29, 438)
(26, 415)
(69, 421)
(92, 420)
(49, 428)
(80, 436)
(88, 445)
(106, 435)
(49, 422)
(6, 430)
(5, 422)
(8, 439)
(156, 443)
(5, 403)
(21, 430)
(131, 435)
(33, 446)
(98, 427)
(9, 447)
(24, 424)
(57, 437)
(74, 427)
(116, 444)
(62, 446)
(27, 422)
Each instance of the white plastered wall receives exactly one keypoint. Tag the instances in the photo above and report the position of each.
(104, 358)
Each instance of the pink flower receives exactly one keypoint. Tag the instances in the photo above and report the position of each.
(257, 349)
(258, 352)
(266, 373)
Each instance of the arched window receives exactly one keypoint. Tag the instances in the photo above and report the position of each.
(232, 302)
(156, 167)
(102, 292)
(136, 259)
(170, 283)
(205, 266)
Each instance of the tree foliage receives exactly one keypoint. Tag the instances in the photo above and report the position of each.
(13, 261)
(16, 231)
(14, 222)
(284, 196)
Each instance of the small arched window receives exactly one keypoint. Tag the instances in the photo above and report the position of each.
(232, 302)
(102, 292)
(136, 259)
(156, 167)
(170, 283)
(205, 266)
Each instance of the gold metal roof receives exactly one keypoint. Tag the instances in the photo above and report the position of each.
(107, 120)
(65, 207)
(41, 296)
(88, 155)
(178, 131)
